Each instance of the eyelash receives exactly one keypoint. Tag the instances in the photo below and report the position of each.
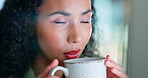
(84, 21)
(60, 22)
(65, 22)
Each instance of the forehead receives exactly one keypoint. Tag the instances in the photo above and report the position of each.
(70, 6)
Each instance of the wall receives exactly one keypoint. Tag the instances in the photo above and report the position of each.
(138, 40)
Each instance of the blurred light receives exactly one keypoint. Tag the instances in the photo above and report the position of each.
(1, 4)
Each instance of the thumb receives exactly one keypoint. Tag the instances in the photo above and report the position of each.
(53, 64)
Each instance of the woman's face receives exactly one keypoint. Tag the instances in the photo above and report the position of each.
(63, 28)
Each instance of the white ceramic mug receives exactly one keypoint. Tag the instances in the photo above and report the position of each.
(82, 68)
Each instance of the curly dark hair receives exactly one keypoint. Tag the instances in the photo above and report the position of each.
(18, 42)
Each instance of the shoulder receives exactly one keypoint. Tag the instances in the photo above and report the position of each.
(29, 74)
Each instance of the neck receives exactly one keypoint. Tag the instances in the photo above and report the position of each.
(41, 63)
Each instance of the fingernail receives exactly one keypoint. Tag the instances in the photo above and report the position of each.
(55, 61)
(108, 57)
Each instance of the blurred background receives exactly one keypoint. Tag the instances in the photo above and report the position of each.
(123, 28)
(113, 29)
(123, 33)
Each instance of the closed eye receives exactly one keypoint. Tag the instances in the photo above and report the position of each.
(84, 22)
(60, 22)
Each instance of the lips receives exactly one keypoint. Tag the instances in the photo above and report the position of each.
(72, 54)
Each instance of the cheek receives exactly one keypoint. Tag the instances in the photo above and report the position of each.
(50, 40)
(87, 33)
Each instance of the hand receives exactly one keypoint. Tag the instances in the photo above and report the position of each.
(114, 70)
(45, 73)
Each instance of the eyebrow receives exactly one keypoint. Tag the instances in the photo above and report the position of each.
(67, 14)
(60, 12)
(87, 11)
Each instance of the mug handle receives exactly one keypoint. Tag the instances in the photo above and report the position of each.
(65, 70)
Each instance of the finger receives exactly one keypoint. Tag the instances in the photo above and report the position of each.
(110, 74)
(53, 64)
(108, 57)
(119, 73)
(111, 64)
(53, 77)
(85, 57)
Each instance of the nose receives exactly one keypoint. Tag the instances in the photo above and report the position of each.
(74, 34)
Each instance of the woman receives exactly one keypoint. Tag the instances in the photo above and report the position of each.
(40, 34)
